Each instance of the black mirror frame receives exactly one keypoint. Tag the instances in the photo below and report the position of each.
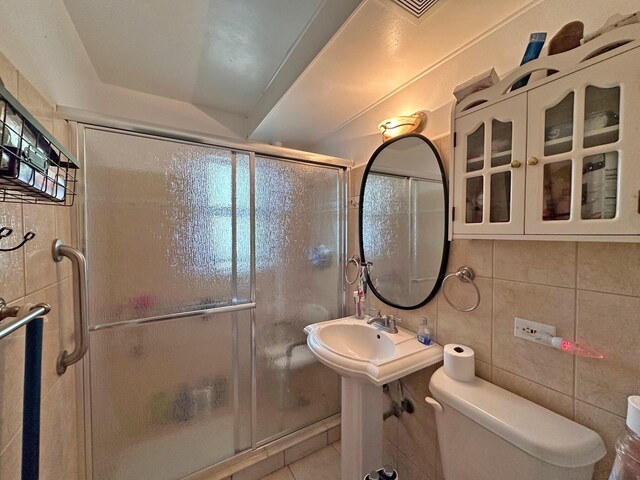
(445, 246)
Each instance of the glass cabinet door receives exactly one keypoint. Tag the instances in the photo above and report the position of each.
(490, 195)
(577, 149)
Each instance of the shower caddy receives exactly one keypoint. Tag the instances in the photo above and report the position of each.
(34, 166)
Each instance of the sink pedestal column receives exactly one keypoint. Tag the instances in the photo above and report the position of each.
(361, 429)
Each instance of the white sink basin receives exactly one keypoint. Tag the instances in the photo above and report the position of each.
(357, 350)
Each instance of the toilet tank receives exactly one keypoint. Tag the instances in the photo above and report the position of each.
(488, 433)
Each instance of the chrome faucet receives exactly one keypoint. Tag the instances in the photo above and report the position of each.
(386, 323)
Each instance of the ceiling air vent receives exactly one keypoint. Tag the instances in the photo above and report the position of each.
(417, 8)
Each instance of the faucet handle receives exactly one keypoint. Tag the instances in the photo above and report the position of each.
(374, 312)
(392, 321)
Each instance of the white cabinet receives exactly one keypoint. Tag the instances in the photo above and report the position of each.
(558, 159)
(489, 169)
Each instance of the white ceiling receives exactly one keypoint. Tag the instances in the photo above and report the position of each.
(290, 71)
(220, 54)
(379, 50)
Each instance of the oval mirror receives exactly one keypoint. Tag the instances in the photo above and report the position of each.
(403, 221)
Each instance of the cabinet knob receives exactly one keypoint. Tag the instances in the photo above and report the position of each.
(516, 164)
(532, 161)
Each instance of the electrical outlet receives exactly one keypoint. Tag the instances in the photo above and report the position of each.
(532, 331)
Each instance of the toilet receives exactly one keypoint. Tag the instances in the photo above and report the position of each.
(488, 433)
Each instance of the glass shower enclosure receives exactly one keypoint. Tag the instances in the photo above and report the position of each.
(205, 263)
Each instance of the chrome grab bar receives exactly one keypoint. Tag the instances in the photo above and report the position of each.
(5, 312)
(81, 327)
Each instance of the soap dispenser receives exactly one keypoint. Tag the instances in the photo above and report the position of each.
(424, 335)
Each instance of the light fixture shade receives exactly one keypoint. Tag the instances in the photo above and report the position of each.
(395, 126)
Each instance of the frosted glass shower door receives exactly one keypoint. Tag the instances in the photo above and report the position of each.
(298, 282)
(168, 243)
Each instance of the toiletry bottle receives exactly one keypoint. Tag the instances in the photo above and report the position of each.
(627, 463)
(424, 335)
(357, 298)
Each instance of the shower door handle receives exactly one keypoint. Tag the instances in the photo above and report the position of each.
(81, 326)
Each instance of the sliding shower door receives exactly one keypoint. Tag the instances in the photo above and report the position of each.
(205, 264)
(168, 243)
(298, 282)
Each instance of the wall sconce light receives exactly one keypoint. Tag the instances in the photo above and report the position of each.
(395, 126)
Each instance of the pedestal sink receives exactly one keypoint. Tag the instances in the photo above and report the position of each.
(366, 358)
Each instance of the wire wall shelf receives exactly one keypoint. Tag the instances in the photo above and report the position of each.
(34, 166)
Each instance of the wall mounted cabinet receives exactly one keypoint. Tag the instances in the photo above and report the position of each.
(559, 158)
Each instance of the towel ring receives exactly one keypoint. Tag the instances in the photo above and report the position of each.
(464, 274)
(355, 259)
(362, 270)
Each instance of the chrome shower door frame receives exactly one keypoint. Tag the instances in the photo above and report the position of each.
(79, 238)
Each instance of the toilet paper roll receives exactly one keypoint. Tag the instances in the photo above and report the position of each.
(459, 362)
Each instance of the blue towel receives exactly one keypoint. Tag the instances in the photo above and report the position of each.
(31, 401)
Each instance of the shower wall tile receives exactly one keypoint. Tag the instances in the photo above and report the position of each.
(409, 470)
(51, 433)
(417, 384)
(70, 469)
(11, 263)
(50, 335)
(609, 426)
(66, 314)
(412, 319)
(11, 457)
(333, 435)
(610, 324)
(609, 267)
(32, 272)
(323, 464)
(67, 401)
(305, 447)
(469, 328)
(40, 269)
(11, 385)
(483, 370)
(282, 474)
(33, 101)
(539, 363)
(261, 469)
(439, 472)
(390, 425)
(9, 75)
(546, 263)
(415, 436)
(548, 398)
(478, 254)
(389, 452)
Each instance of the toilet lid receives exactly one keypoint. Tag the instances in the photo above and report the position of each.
(539, 432)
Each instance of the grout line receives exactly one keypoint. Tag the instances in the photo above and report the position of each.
(600, 408)
(290, 471)
(11, 440)
(628, 295)
(531, 283)
(40, 290)
(534, 382)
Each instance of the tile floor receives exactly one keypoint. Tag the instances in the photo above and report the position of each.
(320, 465)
